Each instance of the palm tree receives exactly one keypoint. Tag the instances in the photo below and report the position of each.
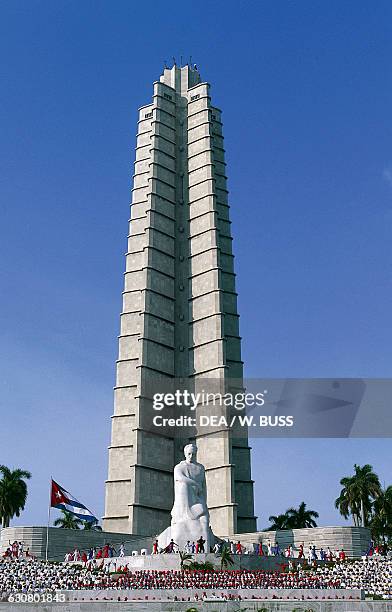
(184, 556)
(205, 567)
(358, 493)
(225, 558)
(91, 526)
(13, 493)
(67, 521)
(278, 522)
(301, 518)
(347, 503)
(368, 486)
(381, 523)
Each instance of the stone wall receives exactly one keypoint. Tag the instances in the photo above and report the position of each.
(62, 541)
(354, 540)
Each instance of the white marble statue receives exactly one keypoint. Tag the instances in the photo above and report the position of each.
(190, 517)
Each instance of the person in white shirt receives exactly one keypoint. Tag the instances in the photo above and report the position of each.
(188, 547)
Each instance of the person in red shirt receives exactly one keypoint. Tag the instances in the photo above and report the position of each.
(84, 557)
(342, 555)
(99, 554)
(170, 547)
(15, 549)
(238, 548)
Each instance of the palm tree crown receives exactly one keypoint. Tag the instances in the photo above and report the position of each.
(358, 493)
(91, 526)
(13, 493)
(278, 521)
(67, 521)
(293, 519)
(301, 518)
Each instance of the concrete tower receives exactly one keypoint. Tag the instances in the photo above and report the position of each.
(179, 318)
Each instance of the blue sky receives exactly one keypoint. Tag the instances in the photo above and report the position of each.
(306, 93)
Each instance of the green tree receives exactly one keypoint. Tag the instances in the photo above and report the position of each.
(358, 494)
(184, 556)
(381, 522)
(301, 518)
(91, 526)
(13, 493)
(225, 558)
(67, 521)
(277, 522)
(207, 566)
(347, 502)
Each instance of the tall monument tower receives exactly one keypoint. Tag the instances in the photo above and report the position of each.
(179, 318)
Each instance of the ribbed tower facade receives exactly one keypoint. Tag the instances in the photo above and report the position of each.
(179, 318)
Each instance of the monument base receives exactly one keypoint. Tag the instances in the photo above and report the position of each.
(172, 561)
(354, 540)
(183, 533)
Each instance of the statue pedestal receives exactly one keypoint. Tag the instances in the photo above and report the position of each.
(187, 531)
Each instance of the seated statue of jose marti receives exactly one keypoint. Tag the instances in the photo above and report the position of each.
(190, 491)
(190, 516)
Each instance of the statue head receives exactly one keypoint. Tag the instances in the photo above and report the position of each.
(190, 451)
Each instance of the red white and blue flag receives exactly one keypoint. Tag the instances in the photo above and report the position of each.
(61, 499)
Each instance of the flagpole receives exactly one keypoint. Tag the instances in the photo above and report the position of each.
(47, 526)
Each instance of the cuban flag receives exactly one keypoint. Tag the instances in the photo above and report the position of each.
(61, 499)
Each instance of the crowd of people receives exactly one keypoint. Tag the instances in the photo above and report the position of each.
(270, 550)
(17, 550)
(275, 550)
(224, 579)
(19, 574)
(105, 552)
(236, 548)
(373, 574)
(310, 554)
(34, 575)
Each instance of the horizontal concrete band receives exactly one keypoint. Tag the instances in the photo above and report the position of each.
(203, 606)
(263, 594)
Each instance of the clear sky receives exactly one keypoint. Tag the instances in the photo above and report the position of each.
(305, 89)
